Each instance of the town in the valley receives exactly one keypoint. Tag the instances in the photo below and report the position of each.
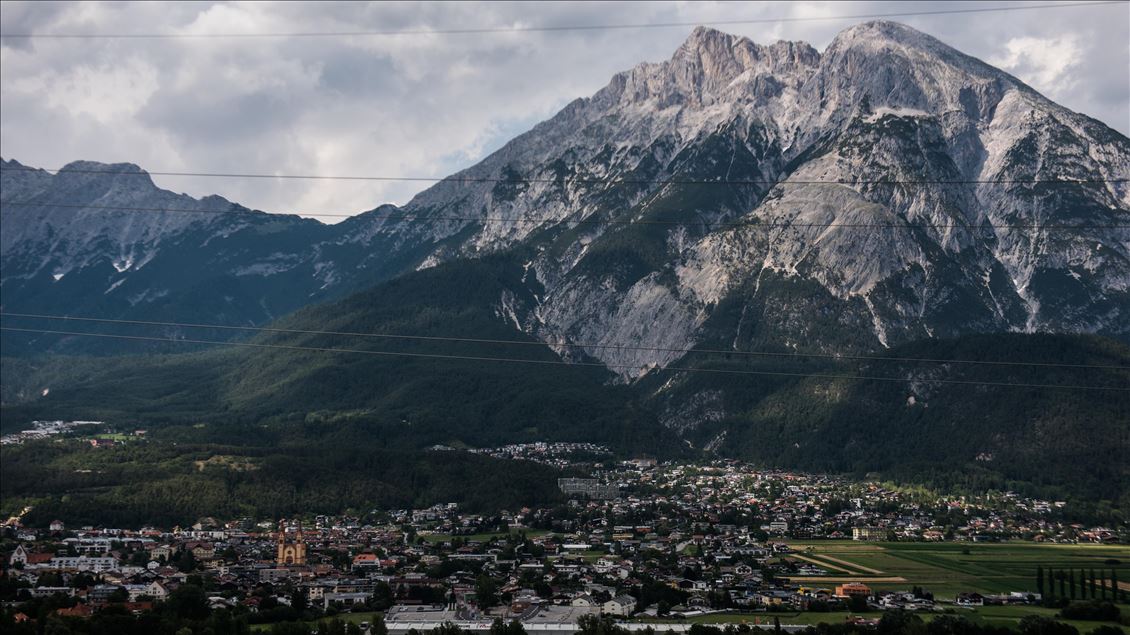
(651, 544)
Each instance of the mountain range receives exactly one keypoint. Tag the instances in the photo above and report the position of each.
(763, 209)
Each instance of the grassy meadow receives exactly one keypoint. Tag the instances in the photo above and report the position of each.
(946, 569)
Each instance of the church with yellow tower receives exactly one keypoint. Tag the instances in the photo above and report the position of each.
(291, 551)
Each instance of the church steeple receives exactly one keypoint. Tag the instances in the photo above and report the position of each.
(291, 553)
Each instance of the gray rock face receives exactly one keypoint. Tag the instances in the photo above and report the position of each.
(876, 193)
(956, 244)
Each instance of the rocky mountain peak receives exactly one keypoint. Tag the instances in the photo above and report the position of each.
(882, 103)
(715, 51)
(878, 33)
(122, 175)
(896, 66)
(85, 166)
(712, 67)
(19, 180)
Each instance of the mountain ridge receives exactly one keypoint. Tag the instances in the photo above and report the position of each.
(757, 124)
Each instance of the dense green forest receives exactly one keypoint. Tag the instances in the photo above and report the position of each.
(974, 434)
(167, 484)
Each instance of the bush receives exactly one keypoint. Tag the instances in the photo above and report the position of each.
(1040, 625)
(1093, 610)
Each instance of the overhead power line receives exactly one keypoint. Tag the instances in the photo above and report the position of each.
(476, 340)
(547, 362)
(570, 180)
(552, 28)
(754, 223)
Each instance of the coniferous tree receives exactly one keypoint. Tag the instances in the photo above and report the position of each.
(1114, 590)
(1062, 585)
(378, 627)
(1071, 581)
(1102, 586)
(1040, 580)
(1094, 589)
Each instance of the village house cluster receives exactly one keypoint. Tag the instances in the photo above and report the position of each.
(44, 429)
(637, 539)
(557, 454)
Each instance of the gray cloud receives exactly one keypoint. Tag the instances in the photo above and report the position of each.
(420, 105)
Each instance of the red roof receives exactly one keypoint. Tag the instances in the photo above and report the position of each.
(79, 610)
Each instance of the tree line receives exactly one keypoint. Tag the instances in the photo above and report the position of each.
(1059, 585)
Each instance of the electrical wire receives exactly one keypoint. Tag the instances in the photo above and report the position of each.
(475, 340)
(562, 362)
(754, 223)
(582, 180)
(552, 29)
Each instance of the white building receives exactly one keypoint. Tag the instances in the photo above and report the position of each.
(621, 605)
(84, 563)
(154, 589)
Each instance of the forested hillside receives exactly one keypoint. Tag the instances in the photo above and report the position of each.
(1050, 420)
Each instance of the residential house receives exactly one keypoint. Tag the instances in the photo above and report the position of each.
(969, 599)
(101, 593)
(584, 601)
(364, 561)
(201, 550)
(868, 534)
(78, 610)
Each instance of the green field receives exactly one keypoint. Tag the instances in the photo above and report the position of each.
(1008, 616)
(115, 436)
(946, 569)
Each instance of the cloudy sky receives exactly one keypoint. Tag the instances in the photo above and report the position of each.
(421, 104)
